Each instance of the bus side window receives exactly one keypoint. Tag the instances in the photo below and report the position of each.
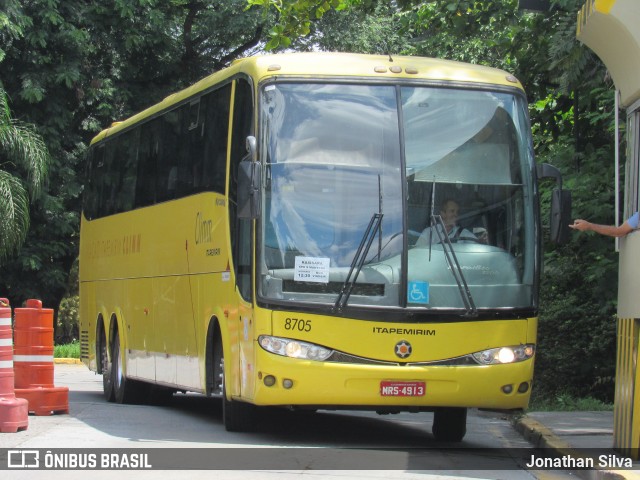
(92, 182)
(149, 148)
(184, 160)
(109, 182)
(212, 167)
(166, 179)
(127, 160)
(197, 124)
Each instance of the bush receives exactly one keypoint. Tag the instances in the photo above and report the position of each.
(68, 350)
(66, 330)
(565, 402)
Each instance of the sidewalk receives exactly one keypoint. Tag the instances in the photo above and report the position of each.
(576, 435)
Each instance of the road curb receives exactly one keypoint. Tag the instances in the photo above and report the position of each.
(68, 361)
(541, 436)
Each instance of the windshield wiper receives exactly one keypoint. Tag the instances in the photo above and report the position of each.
(454, 265)
(358, 262)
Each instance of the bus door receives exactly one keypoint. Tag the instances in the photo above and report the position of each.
(241, 330)
(245, 308)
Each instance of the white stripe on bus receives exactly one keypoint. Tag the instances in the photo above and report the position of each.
(6, 364)
(6, 342)
(5, 321)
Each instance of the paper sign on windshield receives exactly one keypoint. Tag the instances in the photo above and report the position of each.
(312, 269)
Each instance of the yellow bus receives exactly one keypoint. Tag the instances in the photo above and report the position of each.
(276, 235)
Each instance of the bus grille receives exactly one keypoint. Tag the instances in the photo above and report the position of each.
(84, 344)
(341, 357)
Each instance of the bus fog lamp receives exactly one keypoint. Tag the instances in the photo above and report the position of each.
(507, 389)
(523, 387)
(287, 383)
(269, 380)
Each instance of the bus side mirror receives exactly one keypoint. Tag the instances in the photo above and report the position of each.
(560, 216)
(249, 178)
(560, 205)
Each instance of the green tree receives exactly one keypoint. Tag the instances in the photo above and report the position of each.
(376, 29)
(294, 18)
(23, 169)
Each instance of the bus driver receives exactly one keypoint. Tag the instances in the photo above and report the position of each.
(449, 213)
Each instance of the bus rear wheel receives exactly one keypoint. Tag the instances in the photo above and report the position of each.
(125, 390)
(107, 373)
(449, 424)
(236, 416)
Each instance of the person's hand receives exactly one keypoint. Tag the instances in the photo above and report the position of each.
(481, 234)
(581, 225)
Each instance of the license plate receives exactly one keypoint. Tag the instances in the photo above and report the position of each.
(390, 388)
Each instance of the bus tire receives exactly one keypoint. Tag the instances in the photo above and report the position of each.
(107, 366)
(449, 424)
(125, 390)
(236, 416)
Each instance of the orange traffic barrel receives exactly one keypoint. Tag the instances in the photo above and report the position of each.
(14, 413)
(33, 345)
(6, 350)
(33, 360)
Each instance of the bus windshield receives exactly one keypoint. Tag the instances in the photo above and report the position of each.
(446, 171)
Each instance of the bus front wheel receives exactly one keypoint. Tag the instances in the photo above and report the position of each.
(449, 424)
(236, 416)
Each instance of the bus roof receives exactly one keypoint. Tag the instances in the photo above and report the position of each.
(323, 65)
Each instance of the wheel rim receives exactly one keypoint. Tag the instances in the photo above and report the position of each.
(105, 359)
(117, 363)
(220, 379)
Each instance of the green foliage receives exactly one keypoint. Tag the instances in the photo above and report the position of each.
(375, 30)
(67, 350)
(23, 168)
(12, 24)
(576, 340)
(475, 32)
(573, 126)
(67, 322)
(295, 18)
(564, 402)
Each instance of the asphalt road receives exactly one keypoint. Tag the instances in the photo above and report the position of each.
(190, 434)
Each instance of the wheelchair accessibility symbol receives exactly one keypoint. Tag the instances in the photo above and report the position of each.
(418, 292)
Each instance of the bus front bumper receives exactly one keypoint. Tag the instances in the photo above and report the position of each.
(293, 382)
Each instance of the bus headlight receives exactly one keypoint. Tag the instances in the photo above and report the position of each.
(499, 355)
(294, 348)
